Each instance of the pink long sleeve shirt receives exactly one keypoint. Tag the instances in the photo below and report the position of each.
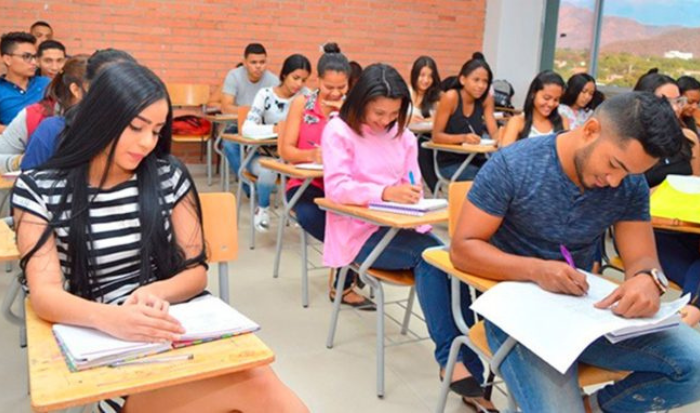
(356, 169)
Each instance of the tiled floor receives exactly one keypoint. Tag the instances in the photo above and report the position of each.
(341, 379)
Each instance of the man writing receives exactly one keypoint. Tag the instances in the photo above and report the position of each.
(568, 189)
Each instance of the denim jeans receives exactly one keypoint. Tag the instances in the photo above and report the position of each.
(433, 290)
(266, 177)
(468, 174)
(313, 220)
(679, 255)
(665, 366)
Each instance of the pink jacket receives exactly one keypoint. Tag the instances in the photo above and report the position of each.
(356, 169)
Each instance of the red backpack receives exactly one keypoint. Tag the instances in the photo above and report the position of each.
(191, 125)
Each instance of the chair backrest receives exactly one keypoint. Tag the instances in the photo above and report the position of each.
(220, 230)
(456, 196)
(188, 94)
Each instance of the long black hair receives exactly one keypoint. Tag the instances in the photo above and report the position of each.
(477, 61)
(118, 94)
(292, 63)
(432, 95)
(574, 87)
(686, 84)
(543, 79)
(377, 80)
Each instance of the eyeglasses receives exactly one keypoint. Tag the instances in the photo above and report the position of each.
(27, 57)
(678, 102)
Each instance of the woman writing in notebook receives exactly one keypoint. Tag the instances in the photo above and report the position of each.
(540, 115)
(269, 108)
(109, 232)
(464, 114)
(373, 159)
(301, 143)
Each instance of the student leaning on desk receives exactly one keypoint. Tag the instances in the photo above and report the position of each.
(129, 239)
(538, 194)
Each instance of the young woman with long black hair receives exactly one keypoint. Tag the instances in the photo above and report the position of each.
(109, 232)
(577, 103)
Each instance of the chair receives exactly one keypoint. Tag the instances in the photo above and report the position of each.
(190, 95)
(475, 337)
(376, 278)
(220, 234)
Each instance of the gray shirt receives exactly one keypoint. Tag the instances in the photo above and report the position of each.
(542, 208)
(239, 85)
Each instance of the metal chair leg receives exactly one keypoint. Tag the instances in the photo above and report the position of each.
(449, 370)
(409, 311)
(380, 339)
(252, 215)
(336, 307)
(210, 145)
(278, 247)
(223, 282)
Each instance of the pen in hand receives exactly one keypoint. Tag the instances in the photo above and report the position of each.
(569, 260)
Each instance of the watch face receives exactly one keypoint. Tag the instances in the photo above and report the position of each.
(660, 276)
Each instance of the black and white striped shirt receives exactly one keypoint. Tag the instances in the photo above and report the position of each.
(114, 221)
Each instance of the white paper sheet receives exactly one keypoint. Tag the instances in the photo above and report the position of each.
(558, 327)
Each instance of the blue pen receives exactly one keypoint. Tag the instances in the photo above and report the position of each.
(411, 178)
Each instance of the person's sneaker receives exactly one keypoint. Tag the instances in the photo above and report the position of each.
(262, 219)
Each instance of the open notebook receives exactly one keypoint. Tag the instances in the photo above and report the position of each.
(418, 209)
(262, 137)
(558, 327)
(204, 318)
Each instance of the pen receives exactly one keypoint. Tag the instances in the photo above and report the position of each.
(411, 178)
(567, 256)
(314, 144)
(153, 360)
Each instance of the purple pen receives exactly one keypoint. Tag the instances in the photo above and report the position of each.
(567, 255)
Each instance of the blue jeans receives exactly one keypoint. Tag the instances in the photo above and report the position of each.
(266, 177)
(665, 366)
(468, 174)
(679, 255)
(433, 290)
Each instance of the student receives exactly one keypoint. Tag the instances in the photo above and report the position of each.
(465, 113)
(576, 104)
(51, 57)
(19, 87)
(540, 116)
(679, 253)
(44, 140)
(41, 31)
(269, 108)
(301, 143)
(63, 92)
(368, 156)
(119, 145)
(355, 72)
(240, 87)
(690, 89)
(425, 89)
(569, 188)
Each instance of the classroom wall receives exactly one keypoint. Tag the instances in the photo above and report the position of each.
(199, 41)
(507, 23)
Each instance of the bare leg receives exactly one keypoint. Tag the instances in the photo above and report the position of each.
(256, 390)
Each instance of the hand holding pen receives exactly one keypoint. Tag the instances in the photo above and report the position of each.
(559, 277)
(403, 193)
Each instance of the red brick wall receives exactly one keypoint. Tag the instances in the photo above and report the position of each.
(198, 41)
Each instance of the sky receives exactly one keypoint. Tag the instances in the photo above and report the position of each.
(652, 12)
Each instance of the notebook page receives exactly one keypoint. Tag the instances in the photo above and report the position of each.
(210, 317)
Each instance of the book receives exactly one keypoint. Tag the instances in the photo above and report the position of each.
(487, 142)
(262, 137)
(310, 166)
(419, 209)
(204, 319)
(558, 327)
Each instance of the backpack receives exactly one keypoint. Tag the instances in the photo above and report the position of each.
(502, 93)
(191, 125)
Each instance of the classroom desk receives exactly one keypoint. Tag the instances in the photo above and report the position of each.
(54, 387)
(464, 149)
(248, 149)
(420, 128)
(223, 120)
(675, 225)
(6, 183)
(306, 175)
(8, 253)
(394, 222)
(440, 258)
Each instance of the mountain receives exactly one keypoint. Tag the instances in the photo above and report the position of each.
(684, 40)
(576, 24)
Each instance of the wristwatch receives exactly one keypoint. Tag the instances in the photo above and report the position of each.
(658, 276)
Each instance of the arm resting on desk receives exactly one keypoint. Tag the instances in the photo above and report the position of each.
(289, 140)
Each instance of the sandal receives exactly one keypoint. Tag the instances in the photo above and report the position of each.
(477, 407)
(365, 305)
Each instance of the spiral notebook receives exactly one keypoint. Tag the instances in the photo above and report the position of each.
(418, 209)
(204, 318)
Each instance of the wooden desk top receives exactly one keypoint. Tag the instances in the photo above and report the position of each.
(464, 148)
(7, 183)
(440, 258)
(679, 226)
(8, 247)
(421, 127)
(290, 169)
(54, 387)
(222, 117)
(248, 141)
(385, 219)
